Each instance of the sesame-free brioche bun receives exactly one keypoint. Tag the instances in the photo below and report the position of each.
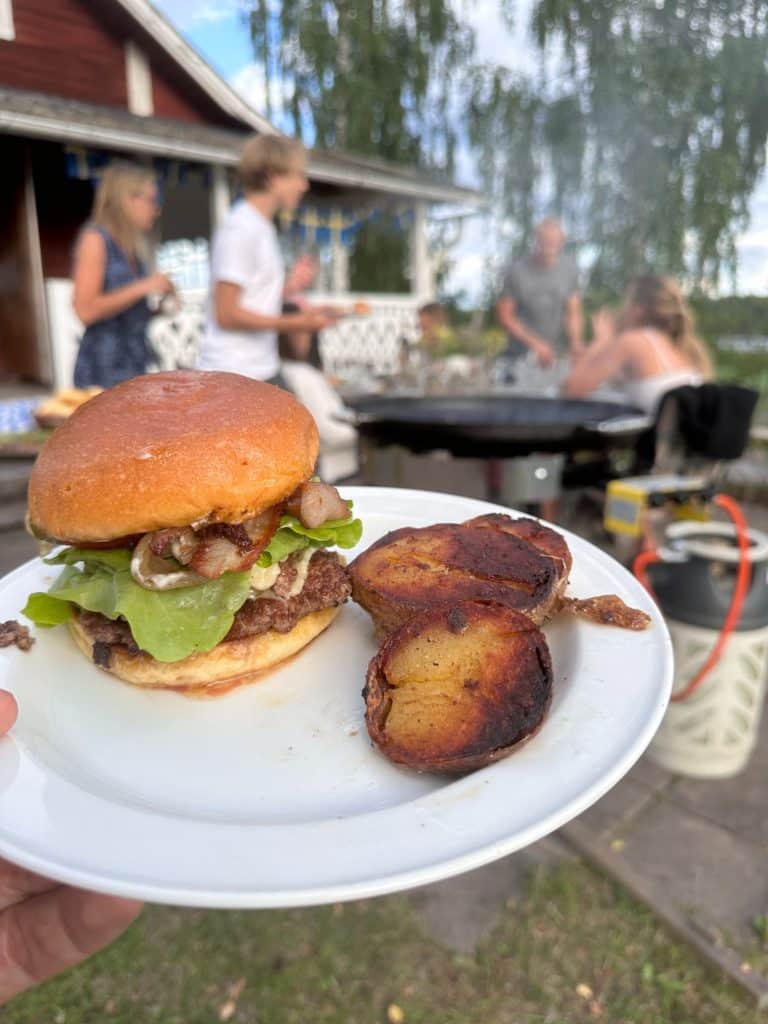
(230, 663)
(168, 449)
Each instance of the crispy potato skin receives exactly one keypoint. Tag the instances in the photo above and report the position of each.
(516, 562)
(549, 542)
(459, 687)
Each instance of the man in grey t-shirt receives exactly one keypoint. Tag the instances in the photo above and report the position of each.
(540, 305)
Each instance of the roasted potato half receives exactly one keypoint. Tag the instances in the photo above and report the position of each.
(517, 562)
(458, 687)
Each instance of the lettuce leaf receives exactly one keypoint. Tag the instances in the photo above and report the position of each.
(47, 611)
(292, 536)
(168, 624)
(108, 558)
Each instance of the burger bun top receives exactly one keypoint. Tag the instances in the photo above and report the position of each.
(170, 449)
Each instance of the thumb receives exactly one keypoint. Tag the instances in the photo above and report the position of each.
(8, 711)
(48, 933)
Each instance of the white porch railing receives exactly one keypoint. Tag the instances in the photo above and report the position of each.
(371, 342)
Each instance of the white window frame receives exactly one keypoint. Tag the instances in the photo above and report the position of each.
(138, 79)
(7, 31)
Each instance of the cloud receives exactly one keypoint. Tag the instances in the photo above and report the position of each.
(250, 81)
(186, 14)
(752, 274)
(470, 259)
(496, 43)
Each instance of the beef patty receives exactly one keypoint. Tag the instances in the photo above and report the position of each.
(326, 586)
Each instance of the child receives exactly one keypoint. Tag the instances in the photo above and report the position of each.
(247, 272)
(338, 440)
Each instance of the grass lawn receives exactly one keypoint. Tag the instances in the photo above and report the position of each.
(574, 949)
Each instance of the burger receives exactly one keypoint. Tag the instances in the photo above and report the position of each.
(197, 546)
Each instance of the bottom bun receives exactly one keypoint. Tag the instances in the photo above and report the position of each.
(230, 664)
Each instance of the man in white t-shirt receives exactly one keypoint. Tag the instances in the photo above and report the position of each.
(247, 272)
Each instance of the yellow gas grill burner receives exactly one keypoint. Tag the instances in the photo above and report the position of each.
(627, 500)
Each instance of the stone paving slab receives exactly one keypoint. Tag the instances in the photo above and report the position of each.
(460, 912)
(740, 804)
(618, 808)
(713, 875)
(647, 773)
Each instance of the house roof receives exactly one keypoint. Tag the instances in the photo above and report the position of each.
(54, 117)
(351, 170)
(188, 58)
(89, 124)
(336, 168)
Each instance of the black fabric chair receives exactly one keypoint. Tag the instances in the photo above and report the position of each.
(695, 431)
(697, 426)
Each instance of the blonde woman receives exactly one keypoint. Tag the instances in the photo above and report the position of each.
(650, 350)
(111, 282)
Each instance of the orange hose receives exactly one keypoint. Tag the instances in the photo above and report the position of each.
(641, 563)
(743, 579)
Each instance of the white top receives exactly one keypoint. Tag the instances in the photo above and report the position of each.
(338, 441)
(245, 252)
(646, 392)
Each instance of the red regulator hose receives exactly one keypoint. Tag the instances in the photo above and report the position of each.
(743, 578)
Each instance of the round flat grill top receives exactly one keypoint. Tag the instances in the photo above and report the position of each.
(503, 411)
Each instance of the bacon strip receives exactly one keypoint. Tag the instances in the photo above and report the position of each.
(226, 547)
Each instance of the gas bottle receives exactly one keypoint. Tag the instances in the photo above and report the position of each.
(712, 732)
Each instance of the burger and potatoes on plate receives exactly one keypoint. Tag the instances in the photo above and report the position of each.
(198, 551)
(198, 547)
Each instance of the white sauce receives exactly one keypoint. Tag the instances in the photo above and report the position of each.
(302, 568)
(263, 578)
(149, 572)
(264, 590)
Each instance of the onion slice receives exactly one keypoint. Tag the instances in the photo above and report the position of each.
(153, 572)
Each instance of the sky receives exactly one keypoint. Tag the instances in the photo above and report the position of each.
(216, 29)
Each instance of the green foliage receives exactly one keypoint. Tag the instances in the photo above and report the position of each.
(744, 316)
(372, 78)
(736, 317)
(366, 76)
(378, 258)
(503, 126)
(468, 340)
(645, 128)
(649, 146)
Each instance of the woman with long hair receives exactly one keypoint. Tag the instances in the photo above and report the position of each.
(651, 349)
(111, 280)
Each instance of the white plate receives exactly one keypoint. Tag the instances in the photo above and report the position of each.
(272, 796)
